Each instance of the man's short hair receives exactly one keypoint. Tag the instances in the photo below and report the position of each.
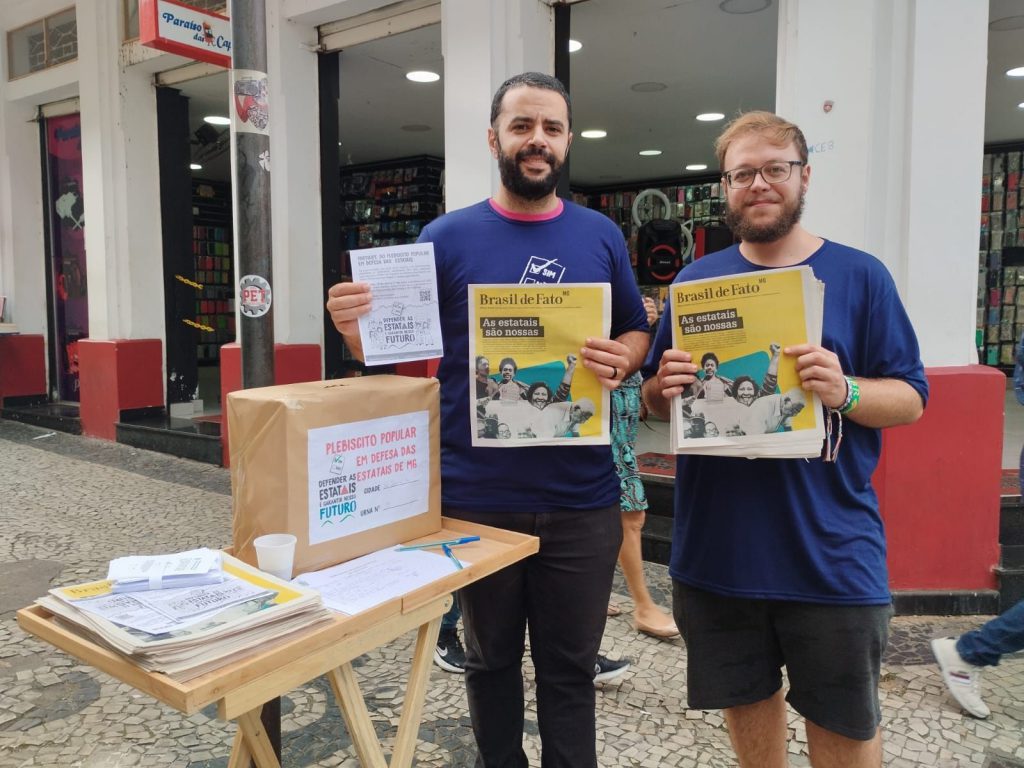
(529, 80)
(708, 356)
(776, 130)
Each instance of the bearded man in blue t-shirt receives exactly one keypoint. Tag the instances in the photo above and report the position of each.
(566, 495)
(781, 562)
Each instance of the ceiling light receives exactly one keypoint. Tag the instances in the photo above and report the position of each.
(744, 6)
(217, 120)
(648, 87)
(696, 167)
(195, 166)
(649, 152)
(594, 134)
(1021, 105)
(415, 127)
(422, 76)
(574, 45)
(1015, 72)
(710, 117)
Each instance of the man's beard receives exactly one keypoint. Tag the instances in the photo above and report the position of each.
(516, 182)
(768, 232)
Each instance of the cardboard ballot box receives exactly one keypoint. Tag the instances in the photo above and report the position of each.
(348, 466)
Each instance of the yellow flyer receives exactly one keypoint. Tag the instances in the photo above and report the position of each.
(747, 398)
(528, 385)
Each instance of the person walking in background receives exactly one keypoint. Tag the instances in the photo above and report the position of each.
(962, 659)
(648, 617)
(449, 654)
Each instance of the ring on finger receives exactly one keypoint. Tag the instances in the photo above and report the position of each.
(615, 372)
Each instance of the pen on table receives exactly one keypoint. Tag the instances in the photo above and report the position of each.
(451, 556)
(445, 543)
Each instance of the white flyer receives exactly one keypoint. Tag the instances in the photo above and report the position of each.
(403, 324)
(372, 579)
(365, 474)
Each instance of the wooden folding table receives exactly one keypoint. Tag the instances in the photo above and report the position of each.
(241, 687)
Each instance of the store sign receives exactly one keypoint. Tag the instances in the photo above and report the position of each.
(179, 28)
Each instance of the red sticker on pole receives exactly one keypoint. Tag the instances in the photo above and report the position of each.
(254, 296)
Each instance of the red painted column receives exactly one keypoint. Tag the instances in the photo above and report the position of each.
(292, 363)
(114, 376)
(22, 365)
(938, 484)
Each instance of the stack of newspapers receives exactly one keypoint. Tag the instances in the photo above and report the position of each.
(188, 631)
(747, 400)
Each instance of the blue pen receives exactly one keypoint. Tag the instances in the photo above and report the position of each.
(445, 543)
(448, 551)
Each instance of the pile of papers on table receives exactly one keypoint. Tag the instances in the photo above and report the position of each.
(185, 632)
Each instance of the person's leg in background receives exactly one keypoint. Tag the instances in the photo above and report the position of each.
(449, 654)
(647, 616)
(961, 659)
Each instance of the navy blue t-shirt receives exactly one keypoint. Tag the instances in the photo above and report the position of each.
(795, 529)
(478, 244)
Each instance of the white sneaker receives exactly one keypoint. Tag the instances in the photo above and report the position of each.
(962, 679)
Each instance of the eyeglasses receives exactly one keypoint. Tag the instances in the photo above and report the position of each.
(774, 172)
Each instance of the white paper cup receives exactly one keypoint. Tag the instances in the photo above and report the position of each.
(275, 553)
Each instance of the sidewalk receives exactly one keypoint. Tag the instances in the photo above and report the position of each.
(69, 504)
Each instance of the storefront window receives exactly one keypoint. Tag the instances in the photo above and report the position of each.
(41, 44)
(131, 13)
(70, 305)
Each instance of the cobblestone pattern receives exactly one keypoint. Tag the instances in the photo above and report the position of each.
(68, 504)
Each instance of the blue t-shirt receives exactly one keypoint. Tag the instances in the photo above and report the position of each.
(794, 529)
(478, 244)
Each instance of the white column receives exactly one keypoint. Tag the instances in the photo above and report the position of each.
(121, 183)
(295, 179)
(896, 157)
(484, 42)
(22, 248)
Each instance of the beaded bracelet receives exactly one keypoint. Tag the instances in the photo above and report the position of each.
(852, 395)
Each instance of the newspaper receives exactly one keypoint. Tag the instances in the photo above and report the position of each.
(187, 647)
(747, 400)
(539, 393)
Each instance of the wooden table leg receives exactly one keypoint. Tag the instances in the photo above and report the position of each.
(240, 754)
(415, 694)
(251, 742)
(357, 717)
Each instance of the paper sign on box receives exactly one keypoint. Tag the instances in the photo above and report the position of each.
(348, 466)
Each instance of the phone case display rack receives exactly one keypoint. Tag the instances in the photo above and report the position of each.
(1000, 320)
(211, 247)
(389, 203)
(699, 200)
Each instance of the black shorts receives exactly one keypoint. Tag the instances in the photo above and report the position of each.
(736, 649)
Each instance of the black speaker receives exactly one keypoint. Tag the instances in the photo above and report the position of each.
(658, 257)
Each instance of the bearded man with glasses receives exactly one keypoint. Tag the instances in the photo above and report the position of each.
(781, 562)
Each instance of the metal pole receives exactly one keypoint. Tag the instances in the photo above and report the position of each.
(250, 136)
(250, 140)
(563, 14)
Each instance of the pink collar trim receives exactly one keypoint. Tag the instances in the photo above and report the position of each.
(528, 216)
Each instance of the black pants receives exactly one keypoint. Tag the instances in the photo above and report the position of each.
(561, 594)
